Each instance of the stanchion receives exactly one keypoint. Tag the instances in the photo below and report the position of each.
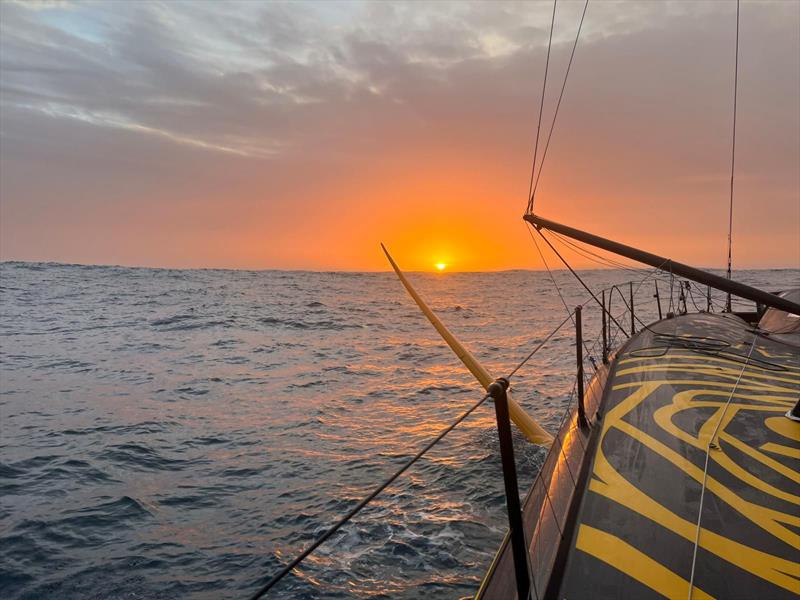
(633, 323)
(605, 331)
(519, 549)
(582, 420)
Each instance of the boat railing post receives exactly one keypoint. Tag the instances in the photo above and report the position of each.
(658, 300)
(582, 421)
(682, 308)
(633, 324)
(519, 548)
(794, 414)
(610, 298)
(605, 333)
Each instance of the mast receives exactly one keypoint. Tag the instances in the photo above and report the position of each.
(668, 265)
(733, 153)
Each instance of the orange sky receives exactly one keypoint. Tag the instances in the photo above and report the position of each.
(298, 136)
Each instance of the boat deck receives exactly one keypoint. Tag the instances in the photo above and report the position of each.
(632, 524)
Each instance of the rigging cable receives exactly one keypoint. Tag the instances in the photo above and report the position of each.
(733, 150)
(705, 468)
(541, 107)
(691, 297)
(629, 309)
(371, 496)
(353, 511)
(539, 346)
(648, 273)
(558, 289)
(558, 105)
(549, 272)
(625, 302)
(578, 277)
(601, 260)
(671, 286)
(589, 351)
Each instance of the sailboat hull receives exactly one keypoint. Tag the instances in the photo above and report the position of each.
(615, 511)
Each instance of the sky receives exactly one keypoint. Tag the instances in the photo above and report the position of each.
(301, 135)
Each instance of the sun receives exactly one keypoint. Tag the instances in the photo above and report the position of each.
(440, 266)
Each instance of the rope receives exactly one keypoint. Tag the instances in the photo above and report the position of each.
(598, 258)
(357, 508)
(671, 285)
(540, 345)
(604, 261)
(558, 104)
(733, 150)
(538, 479)
(371, 496)
(541, 107)
(705, 468)
(650, 274)
(691, 297)
(553, 279)
(629, 309)
(578, 277)
(549, 272)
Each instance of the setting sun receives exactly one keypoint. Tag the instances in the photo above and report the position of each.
(440, 266)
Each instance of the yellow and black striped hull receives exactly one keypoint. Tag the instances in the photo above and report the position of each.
(692, 407)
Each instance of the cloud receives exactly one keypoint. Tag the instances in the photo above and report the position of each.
(187, 71)
(258, 117)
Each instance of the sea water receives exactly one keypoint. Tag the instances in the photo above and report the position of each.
(185, 433)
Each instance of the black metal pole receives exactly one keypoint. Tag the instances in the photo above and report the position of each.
(658, 300)
(708, 298)
(659, 262)
(682, 308)
(610, 298)
(605, 333)
(633, 324)
(519, 549)
(794, 414)
(579, 350)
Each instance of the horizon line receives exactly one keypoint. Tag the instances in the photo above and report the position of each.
(345, 271)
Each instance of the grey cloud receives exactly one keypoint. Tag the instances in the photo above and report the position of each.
(289, 97)
(149, 69)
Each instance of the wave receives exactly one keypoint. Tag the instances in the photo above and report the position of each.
(143, 458)
(181, 434)
(325, 324)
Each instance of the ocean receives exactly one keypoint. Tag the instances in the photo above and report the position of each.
(184, 433)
